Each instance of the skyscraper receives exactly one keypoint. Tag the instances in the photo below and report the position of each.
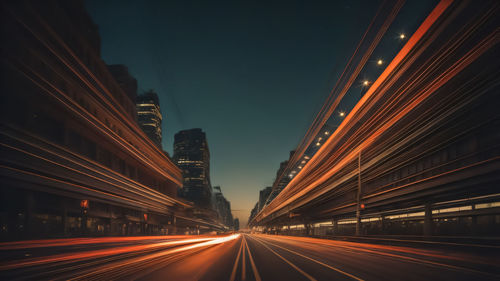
(149, 115)
(192, 156)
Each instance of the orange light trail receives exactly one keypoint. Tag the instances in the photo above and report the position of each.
(110, 105)
(145, 259)
(45, 243)
(330, 105)
(130, 125)
(197, 242)
(411, 43)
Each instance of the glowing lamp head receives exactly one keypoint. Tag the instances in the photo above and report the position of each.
(366, 83)
(380, 62)
(318, 144)
(342, 114)
(402, 36)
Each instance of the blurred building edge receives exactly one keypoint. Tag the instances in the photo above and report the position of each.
(236, 224)
(254, 211)
(73, 160)
(149, 116)
(223, 207)
(268, 194)
(126, 81)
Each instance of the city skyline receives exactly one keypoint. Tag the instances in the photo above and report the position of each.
(260, 80)
(261, 140)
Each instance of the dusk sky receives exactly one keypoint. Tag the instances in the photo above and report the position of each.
(251, 74)
(381, 117)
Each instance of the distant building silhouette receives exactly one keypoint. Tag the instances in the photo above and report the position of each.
(254, 212)
(192, 156)
(236, 224)
(280, 182)
(126, 81)
(223, 207)
(263, 195)
(149, 115)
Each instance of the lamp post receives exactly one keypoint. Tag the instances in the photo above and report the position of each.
(359, 206)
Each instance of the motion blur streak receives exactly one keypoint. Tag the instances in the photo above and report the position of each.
(114, 251)
(79, 241)
(147, 261)
(270, 257)
(288, 195)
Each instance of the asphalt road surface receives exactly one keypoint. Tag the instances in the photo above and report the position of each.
(240, 257)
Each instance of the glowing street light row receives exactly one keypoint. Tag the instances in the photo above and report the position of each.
(303, 162)
(380, 62)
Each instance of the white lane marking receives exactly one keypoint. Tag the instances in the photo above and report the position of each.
(318, 262)
(254, 268)
(233, 273)
(287, 261)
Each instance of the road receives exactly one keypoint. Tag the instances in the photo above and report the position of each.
(239, 257)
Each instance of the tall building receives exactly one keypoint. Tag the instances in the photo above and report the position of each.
(149, 115)
(75, 161)
(192, 156)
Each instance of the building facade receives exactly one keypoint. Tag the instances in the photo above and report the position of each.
(223, 207)
(73, 159)
(192, 156)
(149, 116)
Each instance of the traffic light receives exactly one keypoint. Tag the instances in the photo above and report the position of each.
(84, 204)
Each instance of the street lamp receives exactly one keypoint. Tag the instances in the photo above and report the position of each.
(402, 36)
